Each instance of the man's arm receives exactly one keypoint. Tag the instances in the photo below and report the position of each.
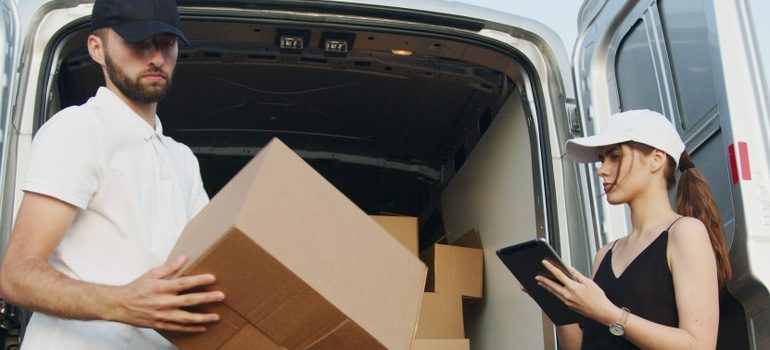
(152, 300)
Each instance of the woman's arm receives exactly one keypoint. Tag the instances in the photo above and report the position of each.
(693, 268)
(571, 336)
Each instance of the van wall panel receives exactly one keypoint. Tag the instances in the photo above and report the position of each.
(493, 192)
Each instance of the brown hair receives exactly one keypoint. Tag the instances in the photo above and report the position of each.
(694, 199)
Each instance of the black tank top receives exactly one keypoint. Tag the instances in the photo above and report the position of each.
(646, 287)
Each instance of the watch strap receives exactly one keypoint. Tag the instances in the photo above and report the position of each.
(619, 328)
(624, 316)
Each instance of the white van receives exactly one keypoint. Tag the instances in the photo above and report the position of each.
(452, 113)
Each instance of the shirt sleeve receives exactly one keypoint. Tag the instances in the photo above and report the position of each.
(64, 160)
(199, 197)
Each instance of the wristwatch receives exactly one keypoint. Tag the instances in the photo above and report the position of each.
(619, 328)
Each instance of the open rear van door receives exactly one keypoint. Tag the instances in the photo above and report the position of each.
(9, 41)
(696, 62)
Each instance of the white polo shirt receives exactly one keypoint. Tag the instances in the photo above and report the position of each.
(135, 189)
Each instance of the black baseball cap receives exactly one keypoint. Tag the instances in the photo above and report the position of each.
(136, 20)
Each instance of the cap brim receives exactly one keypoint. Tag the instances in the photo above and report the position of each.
(138, 31)
(586, 149)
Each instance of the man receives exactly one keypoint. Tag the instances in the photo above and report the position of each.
(106, 196)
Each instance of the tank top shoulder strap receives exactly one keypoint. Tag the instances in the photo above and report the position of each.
(672, 224)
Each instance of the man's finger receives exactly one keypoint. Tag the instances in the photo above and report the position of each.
(193, 299)
(167, 326)
(182, 317)
(184, 283)
(167, 270)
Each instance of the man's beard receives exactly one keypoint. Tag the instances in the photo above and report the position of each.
(134, 89)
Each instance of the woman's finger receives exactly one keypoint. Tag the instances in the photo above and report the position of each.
(577, 276)
(560, 276)
(552, 287)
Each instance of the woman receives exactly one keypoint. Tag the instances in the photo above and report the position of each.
(658, 287)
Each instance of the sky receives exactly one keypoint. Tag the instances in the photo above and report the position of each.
(561, 16)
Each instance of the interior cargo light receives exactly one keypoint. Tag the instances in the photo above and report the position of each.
(337, 44)
(400, 52)
(292, 41)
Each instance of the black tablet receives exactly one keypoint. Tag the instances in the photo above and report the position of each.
(525, 261)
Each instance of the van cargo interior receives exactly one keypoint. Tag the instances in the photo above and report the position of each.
(437, 130)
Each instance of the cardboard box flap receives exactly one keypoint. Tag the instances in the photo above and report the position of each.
(217, 333)
(470, 239)
(251, 338)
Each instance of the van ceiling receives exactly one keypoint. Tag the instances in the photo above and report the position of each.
(387, 130)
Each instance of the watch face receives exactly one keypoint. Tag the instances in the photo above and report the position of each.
(617, 329)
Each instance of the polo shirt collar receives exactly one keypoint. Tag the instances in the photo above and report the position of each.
(127, 115)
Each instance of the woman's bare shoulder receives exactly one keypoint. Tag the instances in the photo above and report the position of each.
(686, 229)
(687, 236)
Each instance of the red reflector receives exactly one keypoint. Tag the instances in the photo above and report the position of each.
(743, 152)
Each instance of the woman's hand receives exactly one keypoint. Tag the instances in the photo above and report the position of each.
(580, 294)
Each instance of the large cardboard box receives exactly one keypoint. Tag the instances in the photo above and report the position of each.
(403, 228)
(455, 269)
(441, 317)
(441, 344)
(301, 266)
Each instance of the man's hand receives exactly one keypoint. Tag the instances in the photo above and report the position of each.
(154, 301)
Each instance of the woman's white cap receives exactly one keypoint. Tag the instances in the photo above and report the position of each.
(643, 126)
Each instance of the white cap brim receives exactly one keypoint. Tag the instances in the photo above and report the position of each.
(586, 149)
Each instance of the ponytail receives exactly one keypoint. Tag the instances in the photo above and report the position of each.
(693, 198)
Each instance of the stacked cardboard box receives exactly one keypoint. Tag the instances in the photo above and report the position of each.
(455, 274)
(441, 344)
(301, 266)
(441, 317)
(456, 268)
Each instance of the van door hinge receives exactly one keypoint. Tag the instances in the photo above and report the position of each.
(573, 117)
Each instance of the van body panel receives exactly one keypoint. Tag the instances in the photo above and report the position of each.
(9, 39)
(524, 138)
(696, 62)
(509, 179)
(761, 31)
(747, 98)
